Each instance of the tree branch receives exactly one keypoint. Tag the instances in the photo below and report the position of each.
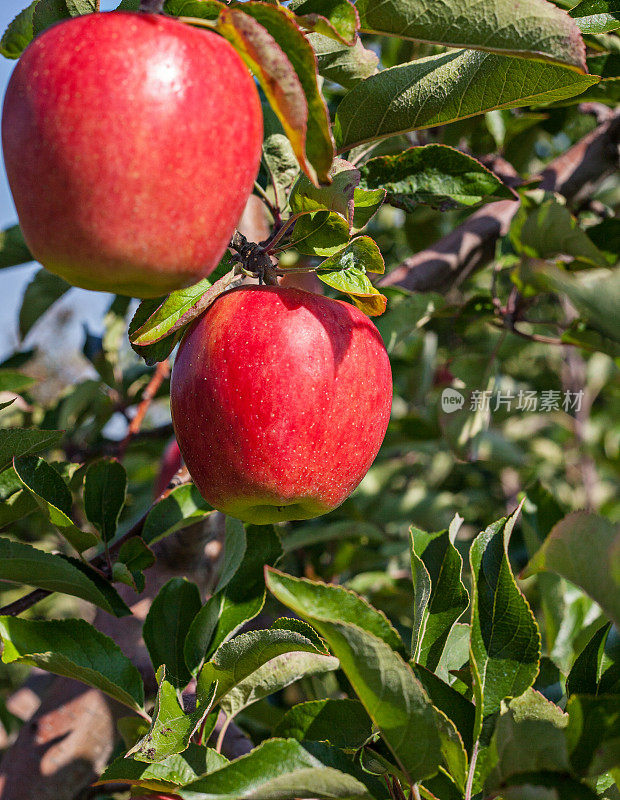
(472, 245)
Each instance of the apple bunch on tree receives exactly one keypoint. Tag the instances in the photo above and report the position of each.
(132, 143)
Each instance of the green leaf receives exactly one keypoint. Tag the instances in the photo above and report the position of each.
(54, 499)
(171, 729)
(585, 673)
(546, 786)
(235, 545)
(530, 736)
(440, 595)
(338, 196)
(240, 600)
(597, 16)
(183, 306)
(105, 488)
(79, 7)
(343, 64)
(15, 501)
(457, 708)
(159, 351)
(13, 381)
(166, 625)
(174, 771)
(594, 293)
(505, 641)
(48, 12)
(321, 600)
(447, 87)
(551, 231)
(274, 676)
(181, 508)
(343, 723)
(579, 549)
(277, 769)
(320, 233)
(22, 563)
(278, 156)
(337, 19)
(436, 175)
(133, 558)
(237, 659)
(530, 29)
(593, 733)
(299, 626)
(393, 697)
(41, 293)
(14, 41)
(74, 649)
(308, 535)
(346, 272)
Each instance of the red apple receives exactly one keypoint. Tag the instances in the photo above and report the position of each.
(280, 401)
(131, 144)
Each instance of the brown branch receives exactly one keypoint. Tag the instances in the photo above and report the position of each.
(159, 376)
(472, 245)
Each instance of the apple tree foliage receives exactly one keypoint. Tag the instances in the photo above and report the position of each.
(362, 656)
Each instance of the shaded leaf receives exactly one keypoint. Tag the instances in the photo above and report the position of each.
(22, 563)
(48, 12)
(338, 196)
(551, 231)
(181, 508)
(505, 641)
(320, 233)
(343, 723)
(440, 595)
(578, 548)
(443, 88)
(593, 733)
(166, 625)
(457, 708)
(530, 736)
(585, 673)
(54, 499)
(105, 487)
(241, 599)
(41, 293)
(133, 558)
(74, 649)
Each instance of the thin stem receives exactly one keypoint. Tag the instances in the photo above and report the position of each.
(472, 770)
(415, 792)
(270, 243)
(161, 373)
(222, 734)
(204, 23)
(273, 209)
